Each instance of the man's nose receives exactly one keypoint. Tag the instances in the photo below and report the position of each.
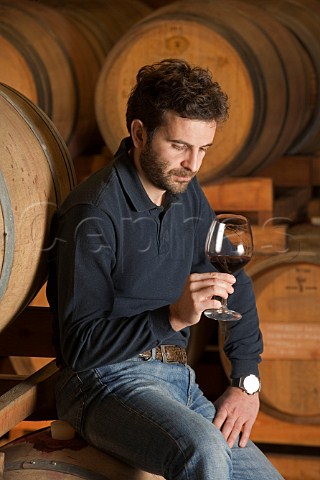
(192, 161)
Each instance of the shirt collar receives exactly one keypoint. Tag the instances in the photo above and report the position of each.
(131, 182)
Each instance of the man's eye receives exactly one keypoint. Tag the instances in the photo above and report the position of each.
(177, 146)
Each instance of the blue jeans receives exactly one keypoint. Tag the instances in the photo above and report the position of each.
(154, 416)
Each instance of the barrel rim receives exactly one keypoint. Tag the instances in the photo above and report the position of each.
(9, 236)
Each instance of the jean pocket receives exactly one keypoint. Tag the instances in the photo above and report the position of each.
(70, 398)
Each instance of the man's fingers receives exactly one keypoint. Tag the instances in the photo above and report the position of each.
(211, 287)
(235, 414)
(220, 418)
(232, 427)
(231, 430)
(244, 438)
(212, 276)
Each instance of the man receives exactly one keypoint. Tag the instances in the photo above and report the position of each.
(129, 277)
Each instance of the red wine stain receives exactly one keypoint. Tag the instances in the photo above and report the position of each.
(43, 442)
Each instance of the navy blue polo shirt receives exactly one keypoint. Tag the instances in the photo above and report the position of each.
(120, 260)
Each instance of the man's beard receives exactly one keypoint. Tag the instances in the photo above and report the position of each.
(156, 170)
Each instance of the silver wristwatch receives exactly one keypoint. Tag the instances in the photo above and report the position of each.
(250, 384)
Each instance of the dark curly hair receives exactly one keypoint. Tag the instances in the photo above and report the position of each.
(174, 85)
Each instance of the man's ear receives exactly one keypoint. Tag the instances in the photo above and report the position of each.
(137, 133)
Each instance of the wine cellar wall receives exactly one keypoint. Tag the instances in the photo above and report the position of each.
(66, 69)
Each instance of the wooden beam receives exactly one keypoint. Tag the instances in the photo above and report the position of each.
(2, 458)
(290, 171)
(270, 239)
(296, 467)
(36, 392)
(291, 203)
(242, 195)
(272, 430)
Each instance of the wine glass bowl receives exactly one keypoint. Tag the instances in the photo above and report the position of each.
(229, 247)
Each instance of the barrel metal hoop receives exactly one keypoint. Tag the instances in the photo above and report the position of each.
(53, 465)
(8, 220)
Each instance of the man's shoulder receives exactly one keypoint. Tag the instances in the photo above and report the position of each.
(92, 190)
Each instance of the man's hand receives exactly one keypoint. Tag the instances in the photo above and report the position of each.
(236, 413)
(197, 297)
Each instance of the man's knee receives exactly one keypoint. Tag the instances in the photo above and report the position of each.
(205, 451)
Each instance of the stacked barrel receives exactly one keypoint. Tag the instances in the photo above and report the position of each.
(269, 74)
(49, 65)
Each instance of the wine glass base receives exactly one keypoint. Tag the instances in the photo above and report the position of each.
(224, 315)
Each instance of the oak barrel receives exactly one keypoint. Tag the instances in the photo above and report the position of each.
(302, 18)
(287, 288)
(54, 55)
(101, 23)
(38, 456)
(255, 58)
(36, 174)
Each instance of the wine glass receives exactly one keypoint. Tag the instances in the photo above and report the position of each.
(229, 246)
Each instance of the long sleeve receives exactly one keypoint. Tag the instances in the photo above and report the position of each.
(94, 329)
(243, 345)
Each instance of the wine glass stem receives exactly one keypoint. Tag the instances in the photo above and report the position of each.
(224, 303)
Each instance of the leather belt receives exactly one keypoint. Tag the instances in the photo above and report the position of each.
(166, 354)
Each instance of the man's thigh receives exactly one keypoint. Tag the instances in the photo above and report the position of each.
(149, 414)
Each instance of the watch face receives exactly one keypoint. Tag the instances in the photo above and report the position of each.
(251, 384)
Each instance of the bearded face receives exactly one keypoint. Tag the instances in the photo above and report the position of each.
(158, 172)
(169, 160)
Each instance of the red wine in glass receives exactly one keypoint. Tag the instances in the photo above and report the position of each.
(227, 263)
(229, 247)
